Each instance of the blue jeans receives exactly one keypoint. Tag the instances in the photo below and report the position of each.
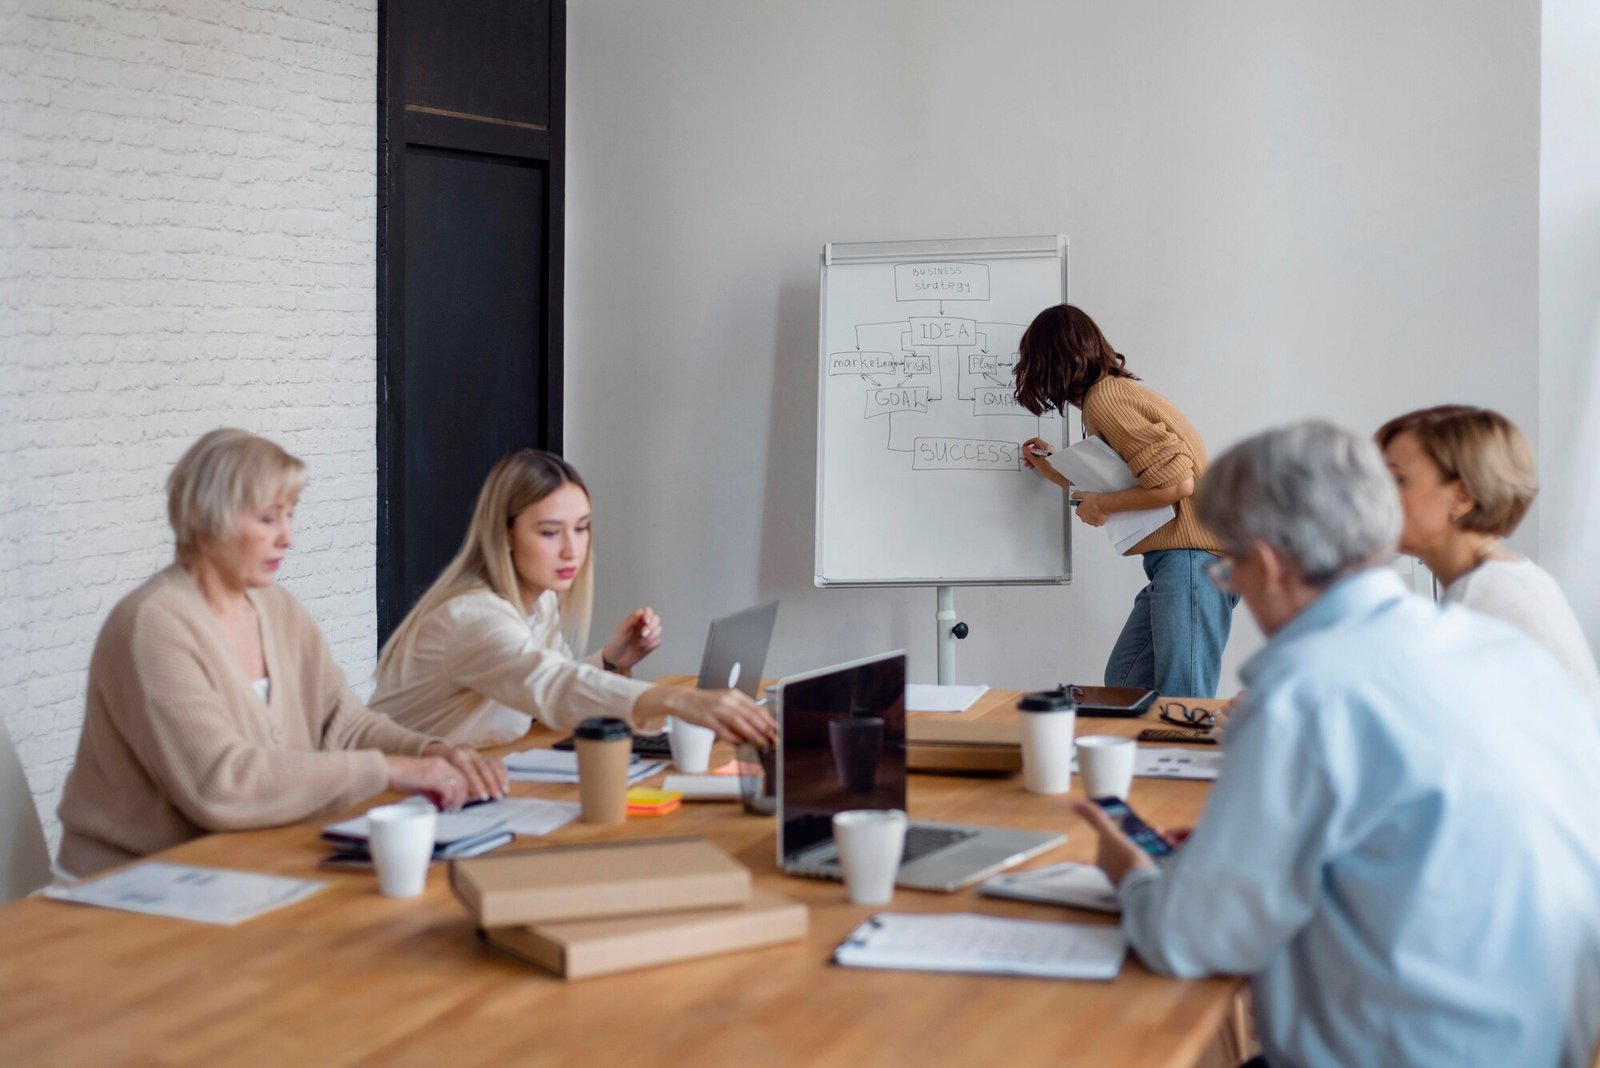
(1173, 639)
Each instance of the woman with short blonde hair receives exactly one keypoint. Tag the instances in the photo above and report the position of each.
(1466, 478)
(489, 647)
(214, 703)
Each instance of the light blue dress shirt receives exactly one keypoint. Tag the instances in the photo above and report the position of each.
(1402, 849)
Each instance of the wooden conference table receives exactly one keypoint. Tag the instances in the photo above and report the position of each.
(348, 977)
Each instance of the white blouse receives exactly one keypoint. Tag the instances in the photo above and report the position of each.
(478, 673)
(1525, 595)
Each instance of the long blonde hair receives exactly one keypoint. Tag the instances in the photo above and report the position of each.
(522, 479)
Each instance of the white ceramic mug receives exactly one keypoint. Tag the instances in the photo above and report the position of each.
(870, 842)
(1105, 763)
(400, 838)
(691, 745)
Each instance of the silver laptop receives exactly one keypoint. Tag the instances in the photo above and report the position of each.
(736, 650)
(842, 745)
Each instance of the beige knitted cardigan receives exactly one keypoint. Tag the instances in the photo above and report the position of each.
(176, 744)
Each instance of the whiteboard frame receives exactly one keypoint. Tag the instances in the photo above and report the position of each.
(993, 248)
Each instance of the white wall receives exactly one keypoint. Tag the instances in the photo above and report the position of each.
(1276, 211)
(187, 203)
(1569, 302)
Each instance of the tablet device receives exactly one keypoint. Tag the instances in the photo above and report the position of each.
(1126, 702)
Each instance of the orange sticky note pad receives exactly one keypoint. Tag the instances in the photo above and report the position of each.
(645, 801)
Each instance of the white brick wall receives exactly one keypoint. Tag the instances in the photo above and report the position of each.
(187, 204)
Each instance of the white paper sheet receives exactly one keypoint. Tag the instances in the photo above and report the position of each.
(1172, 762)
(185, 892)
(1082, 886)
(533, 816)
(925, 697)
(1095, 467)
(968, 942)
(1177, 763)
(555, 765)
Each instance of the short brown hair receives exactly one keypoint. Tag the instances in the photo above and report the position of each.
(227, 472)
(1062, 354)
(1481, 449)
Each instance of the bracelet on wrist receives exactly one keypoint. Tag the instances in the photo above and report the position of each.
(606, 662)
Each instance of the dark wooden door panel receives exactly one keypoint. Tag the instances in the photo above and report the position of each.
(474, 279)
(471, 158)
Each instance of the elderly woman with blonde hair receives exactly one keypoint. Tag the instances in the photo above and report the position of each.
(214, 703)
(1466, 478)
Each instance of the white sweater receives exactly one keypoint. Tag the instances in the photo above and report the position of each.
(480, 673)
(1523, 594)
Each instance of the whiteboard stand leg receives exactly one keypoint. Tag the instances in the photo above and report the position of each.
(950, 631)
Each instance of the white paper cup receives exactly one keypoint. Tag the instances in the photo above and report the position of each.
(401, 840)
(691, 745)
(870, 842)
(1047, 750)
(1105, 763)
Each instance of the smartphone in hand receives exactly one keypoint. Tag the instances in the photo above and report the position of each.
(1144, 836)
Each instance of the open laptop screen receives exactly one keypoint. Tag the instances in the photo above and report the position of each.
(844, 742)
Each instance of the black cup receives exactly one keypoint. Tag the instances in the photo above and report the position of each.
(856, 742)
(1060, 699)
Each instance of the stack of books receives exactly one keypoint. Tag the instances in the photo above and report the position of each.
(588, 910)
(467, 833)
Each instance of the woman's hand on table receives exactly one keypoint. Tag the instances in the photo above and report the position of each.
(732, 714)
(448, 775)
(634, 639)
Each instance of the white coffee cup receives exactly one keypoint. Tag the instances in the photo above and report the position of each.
(1047, 742)
(400, 838)
(1105, 763)
(870, 842)
(691, 745)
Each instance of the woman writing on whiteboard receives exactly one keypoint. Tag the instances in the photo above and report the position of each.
(486, 650)
(1173, 639)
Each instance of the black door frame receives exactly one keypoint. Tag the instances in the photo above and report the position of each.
(400, 126)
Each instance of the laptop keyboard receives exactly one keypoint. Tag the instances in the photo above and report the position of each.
(920, 841)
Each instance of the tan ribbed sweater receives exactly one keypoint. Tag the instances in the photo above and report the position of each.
(175, 743)
(1161, 448)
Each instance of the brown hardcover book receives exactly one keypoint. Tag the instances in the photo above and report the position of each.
(584, 948)
(963, 745)
(605, 879)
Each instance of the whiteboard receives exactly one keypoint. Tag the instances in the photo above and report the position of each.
(920, 479)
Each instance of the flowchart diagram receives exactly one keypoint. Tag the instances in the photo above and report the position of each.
(940, 378)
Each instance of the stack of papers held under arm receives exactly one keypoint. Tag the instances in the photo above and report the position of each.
(1095, 467)
(554, 765)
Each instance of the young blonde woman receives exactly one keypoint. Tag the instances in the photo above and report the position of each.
(1173, 638)
(1466, 478)
(214, 704)
(483, 653)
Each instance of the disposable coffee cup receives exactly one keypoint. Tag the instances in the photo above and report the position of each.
(1047, 719)
(870, 842)
(856, 742)
(605, 747)
(691, 745)
(1105, 763)
(400, 838)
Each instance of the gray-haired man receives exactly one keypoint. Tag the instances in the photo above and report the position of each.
(1401, 850)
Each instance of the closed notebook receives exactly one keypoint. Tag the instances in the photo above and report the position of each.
(607, 879)
(585, 948)
(963, 745)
